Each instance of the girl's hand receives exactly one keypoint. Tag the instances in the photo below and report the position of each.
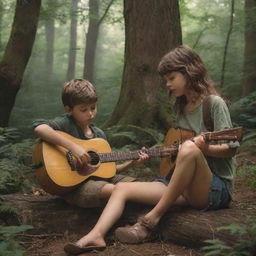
(200, 142)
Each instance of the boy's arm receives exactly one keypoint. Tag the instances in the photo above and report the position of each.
(48, 134)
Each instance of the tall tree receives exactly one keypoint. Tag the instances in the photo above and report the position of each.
(72, 42)
(95, 20)
(249, 81)
(17, 53)
(232, 4)
(50, 35)
(152, 28)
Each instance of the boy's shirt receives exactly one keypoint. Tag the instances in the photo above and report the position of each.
(66, 123)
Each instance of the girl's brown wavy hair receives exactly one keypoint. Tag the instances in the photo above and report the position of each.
(185, 60)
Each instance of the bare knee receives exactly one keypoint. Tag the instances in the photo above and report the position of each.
(188, 150)
(107, 190)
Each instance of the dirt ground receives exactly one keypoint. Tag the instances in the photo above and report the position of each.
(45, 245)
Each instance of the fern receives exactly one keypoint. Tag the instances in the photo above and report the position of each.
(244, 246)
(8, 244)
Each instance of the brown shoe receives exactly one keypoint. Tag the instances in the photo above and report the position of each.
(135, 234)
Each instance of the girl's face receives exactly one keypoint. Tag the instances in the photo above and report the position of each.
(84, 113)
(176, 83)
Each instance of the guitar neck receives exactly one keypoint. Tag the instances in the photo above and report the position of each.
(129, 155)
(232, 134)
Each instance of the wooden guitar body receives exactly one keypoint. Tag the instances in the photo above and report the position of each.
(173, 137)
(53, 171)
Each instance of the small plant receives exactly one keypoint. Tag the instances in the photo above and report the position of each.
(248, 173)
(8, 245)
(244, 246)
(9, 135)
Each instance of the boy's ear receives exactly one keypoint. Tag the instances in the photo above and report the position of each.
(67, 109)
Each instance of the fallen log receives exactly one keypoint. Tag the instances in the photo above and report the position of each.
(183, 226)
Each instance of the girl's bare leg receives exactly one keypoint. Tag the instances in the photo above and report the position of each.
(143, 192)
(192, 177)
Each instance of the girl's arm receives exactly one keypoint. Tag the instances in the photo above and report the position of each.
(216, 150)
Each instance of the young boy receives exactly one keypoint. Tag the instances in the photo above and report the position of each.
(80, 103)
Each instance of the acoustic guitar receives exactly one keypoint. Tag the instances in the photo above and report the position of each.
(56, 168)
(57, 172)
(176, 136)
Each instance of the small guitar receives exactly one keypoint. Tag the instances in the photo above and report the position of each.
(56, 169)
(177, 136)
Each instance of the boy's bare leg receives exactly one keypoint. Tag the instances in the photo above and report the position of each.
(192, 177)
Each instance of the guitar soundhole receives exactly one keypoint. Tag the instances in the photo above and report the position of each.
(95, 159)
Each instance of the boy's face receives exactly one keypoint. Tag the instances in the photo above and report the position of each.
(176, 83)
(84, 113)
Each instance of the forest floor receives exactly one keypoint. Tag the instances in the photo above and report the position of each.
(46, 245)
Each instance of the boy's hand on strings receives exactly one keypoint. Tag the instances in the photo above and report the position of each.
(81, 156)
(143, 157)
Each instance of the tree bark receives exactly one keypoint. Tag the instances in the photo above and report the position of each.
(152, 28)
(183, 226)
(17, 53)
(73, 39)
(249, 80)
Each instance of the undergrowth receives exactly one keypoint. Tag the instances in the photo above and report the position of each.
(245, 245)
(248, 174)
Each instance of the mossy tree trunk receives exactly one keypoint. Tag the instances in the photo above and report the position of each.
(17, 53)
(152, 28)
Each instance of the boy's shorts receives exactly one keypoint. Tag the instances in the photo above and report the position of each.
(87, 195)
(219, 196)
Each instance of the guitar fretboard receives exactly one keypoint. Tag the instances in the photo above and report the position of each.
(132, 155)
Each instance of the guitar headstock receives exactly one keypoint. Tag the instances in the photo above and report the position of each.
(233, 134)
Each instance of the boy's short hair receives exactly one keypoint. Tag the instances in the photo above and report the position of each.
(78, 91)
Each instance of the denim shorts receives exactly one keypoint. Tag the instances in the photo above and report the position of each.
(219, 196)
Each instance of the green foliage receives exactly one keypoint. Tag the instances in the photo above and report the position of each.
(244, 246)
(6, 207)
(8, 244)
(9, 135)
(248, 173)
(243, 113)
(204, 27)
(14, 177)
(15, 162)
(121, 135)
